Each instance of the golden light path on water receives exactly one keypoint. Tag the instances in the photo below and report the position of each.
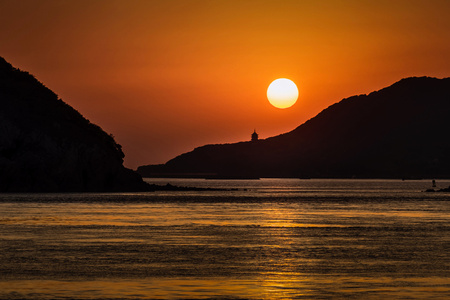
(267, 242)
(268, 286)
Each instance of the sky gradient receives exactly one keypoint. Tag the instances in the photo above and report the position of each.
(167, 76)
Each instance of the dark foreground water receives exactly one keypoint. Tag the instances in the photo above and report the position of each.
(268, 239)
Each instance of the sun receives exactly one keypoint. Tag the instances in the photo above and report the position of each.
(282, 93)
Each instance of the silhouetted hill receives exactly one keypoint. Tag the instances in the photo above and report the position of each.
(47, 146)
(398, 132)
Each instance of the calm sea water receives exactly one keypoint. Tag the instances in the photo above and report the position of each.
(262, 239)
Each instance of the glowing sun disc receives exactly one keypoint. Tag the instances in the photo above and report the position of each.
(282, 93)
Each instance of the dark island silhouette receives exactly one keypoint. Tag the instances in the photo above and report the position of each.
(47, 146)
(401, 131)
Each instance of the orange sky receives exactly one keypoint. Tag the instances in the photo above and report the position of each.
(167, 76)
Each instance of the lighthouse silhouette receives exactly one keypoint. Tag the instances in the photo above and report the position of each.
(254, 136)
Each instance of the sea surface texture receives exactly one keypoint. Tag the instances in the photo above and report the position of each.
(256, 239)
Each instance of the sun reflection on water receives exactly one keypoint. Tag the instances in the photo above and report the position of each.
(257, 250)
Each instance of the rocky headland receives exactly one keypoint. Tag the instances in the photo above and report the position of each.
(48, 146)
(400, 131)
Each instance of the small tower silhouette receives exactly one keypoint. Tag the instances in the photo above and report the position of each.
(254, 136)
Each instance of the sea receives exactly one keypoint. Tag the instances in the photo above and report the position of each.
(235, 239)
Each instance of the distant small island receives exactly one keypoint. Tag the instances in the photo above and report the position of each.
(400, 131)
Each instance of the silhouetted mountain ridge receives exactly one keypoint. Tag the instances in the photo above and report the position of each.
(47, 146)
(397, 132)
